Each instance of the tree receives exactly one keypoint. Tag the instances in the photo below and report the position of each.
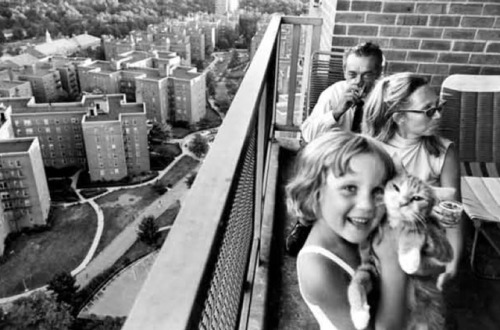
(64, 286)
(198, 146)
(40, 311)
(224, 105)
(235, 59)
(159, 187)
(148, 231)
(231, 87)
(211, 83)
(160, 131)
(190, 179)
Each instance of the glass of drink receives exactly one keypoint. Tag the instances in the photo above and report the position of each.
(450, 212)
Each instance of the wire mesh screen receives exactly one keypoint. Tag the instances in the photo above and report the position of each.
(221, 307)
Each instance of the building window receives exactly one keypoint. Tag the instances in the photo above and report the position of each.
(27, 122)
(29, 131)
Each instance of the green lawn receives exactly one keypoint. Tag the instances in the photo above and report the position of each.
(167, 218)
(121, 207)
(36, 257)
(179, 170)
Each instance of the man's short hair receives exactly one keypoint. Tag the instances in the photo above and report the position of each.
(366, 49)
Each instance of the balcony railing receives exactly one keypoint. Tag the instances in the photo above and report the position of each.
(205, 274)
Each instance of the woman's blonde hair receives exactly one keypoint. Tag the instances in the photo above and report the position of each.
(329, 153)
(385, 99)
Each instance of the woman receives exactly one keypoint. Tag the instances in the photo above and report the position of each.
(338, 187)
(403, 112)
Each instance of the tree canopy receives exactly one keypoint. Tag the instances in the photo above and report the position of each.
(40, 311)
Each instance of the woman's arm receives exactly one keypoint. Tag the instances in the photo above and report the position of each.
(391, 312)
(450, 177)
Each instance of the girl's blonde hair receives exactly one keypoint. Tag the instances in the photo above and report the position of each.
(329, 153)
(385, 99)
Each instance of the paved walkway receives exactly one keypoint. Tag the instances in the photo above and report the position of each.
(90, 266)
(117, 297)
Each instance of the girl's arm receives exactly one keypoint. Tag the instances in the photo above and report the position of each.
(324, 284)
(450, 177)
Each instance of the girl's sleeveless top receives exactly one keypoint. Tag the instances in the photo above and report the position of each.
(323, 321)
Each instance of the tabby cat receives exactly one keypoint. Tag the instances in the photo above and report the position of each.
(422, 245)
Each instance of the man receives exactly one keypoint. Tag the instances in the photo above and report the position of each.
(340, 105)
(336, 104)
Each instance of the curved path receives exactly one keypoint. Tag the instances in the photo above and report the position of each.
(92, 265)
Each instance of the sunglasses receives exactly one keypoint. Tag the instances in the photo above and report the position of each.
(430, 112)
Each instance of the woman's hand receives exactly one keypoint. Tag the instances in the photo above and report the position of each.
(391, 313)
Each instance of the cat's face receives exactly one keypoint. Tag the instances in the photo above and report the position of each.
(408, 199)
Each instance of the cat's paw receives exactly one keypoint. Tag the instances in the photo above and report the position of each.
(410, 261)
(360, 316)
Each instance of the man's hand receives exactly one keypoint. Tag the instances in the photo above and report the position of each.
(352, 96)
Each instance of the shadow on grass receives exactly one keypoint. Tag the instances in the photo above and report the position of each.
(61, 191)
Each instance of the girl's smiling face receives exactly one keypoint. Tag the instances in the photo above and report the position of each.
(352, 204)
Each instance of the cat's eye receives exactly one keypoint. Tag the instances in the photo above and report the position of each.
(417, 198)
(395, 186)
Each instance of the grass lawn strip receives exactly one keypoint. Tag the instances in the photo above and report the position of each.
(37, 257)
(121, 207)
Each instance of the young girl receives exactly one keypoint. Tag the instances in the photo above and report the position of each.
(403, 112)
(338, 187)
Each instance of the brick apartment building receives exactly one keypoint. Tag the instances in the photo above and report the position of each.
(115, 135)
(45, 82)
(66, 136)
(24, 194)
(188, 94)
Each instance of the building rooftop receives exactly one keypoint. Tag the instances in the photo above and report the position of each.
(17, 145)
(19, 61)
(116, 106)
(6, 84)
(183, 72)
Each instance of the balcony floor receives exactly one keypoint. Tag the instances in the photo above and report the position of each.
(473, 303)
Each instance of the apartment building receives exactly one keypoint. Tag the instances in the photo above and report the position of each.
(181, 44)
(223, 7)
(45, 82)
(57, 127)
(115, 135)
(197, 38)
(187, 89)
(100, 77)
(15, 88)
(24, 194)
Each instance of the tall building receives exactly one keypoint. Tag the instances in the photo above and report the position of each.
(24, 194)
(223, 7)
(45, 82)
(57, 127)
(187, 90)
(115, 135)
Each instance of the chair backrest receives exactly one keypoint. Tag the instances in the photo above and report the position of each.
(471, 116)
(326, 69)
